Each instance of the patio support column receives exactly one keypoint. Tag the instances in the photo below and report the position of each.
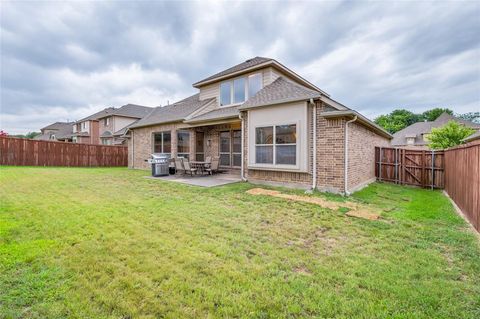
(192, 144)
(173, 135)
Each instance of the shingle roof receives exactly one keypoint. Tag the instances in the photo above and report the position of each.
(62, 130)
(174, 112)
(280, 91)
(239, 67)
(217, 114)
(420, 128)
(473, 137)
(445, 118)
(122, 131)
(43, 137)
(98, 115)
(106, 134)
(57, 125)
(130, 110)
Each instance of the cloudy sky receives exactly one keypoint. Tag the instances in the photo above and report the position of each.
(64, 61)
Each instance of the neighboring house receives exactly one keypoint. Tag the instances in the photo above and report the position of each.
(416, 135)
(474, 138)
(58, 131)
(267, 123)
(114, 124)
(107, 126)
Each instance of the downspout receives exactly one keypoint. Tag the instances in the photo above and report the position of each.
(345, 165)
(314, 164)
(242, 154)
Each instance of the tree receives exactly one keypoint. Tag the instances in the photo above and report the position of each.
(449, 135)
(32, 134)
(28, 135)
(397, 120)
(433, 114)
(470, 116)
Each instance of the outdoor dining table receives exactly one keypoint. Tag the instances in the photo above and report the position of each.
(199, 165)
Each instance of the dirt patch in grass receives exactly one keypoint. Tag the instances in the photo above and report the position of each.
(355, 210)
(362, 214)
(303, 271)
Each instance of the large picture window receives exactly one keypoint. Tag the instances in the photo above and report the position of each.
(240, 89)
(254, 84)
(276, 145)
(162, 142)
(226, 93)
(183, 144)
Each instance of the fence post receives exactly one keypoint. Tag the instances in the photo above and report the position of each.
(380, 165)
(433, 170)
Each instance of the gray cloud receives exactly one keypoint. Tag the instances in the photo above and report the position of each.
(66, 60)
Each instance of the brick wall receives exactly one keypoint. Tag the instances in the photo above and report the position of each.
(103, 128)
(141, 141)
(361, 156)
(330, 152)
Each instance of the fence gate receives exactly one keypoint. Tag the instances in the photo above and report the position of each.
(410, 167)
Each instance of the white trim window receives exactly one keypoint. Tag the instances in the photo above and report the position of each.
(162, 142)
(237, 91)
(183, 144)
(276, 145)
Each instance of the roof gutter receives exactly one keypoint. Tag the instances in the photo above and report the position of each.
(345, 165)
(362, 119)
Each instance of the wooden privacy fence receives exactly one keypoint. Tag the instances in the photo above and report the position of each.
(462, 180)
(410, 167)
(25, 152)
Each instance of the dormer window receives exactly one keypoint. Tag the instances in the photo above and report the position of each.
(239, 90)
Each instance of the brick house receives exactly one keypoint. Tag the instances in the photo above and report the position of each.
(58, 131)
(107, 126)
(415, 136)
(269, 125)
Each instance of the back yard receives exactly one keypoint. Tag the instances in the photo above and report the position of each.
(108, 243)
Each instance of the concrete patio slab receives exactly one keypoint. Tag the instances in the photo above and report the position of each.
(201, 180)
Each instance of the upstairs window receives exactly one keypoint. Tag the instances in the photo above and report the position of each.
(226, 93)
(106, 121)
(239, 90)
(254, 84)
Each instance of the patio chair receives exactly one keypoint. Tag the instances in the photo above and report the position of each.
(179, 166)
(213, 167)
(186, 166)
(208, 161)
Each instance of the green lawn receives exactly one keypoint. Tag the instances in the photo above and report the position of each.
(108, 243)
